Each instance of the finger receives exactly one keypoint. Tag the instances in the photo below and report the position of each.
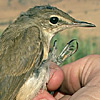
(44, 95)
(87, 93)
(56, 77)
(66, 97)
(61, 96)
(72, 72)
(79, 73)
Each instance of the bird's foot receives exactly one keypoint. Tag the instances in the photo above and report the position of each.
(70, 48)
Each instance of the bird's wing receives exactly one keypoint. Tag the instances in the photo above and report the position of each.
(18, 54)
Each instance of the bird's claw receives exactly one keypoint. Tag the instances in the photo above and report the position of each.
(68, 51)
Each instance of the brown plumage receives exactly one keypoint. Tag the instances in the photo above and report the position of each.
(23, 47)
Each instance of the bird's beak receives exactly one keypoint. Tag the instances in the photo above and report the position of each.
(77, 23)
(71, 22)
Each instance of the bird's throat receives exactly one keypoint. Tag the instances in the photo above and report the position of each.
(46, 44)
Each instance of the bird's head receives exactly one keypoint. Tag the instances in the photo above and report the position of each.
(52, 20)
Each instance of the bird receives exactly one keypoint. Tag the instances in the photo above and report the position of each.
(24, 49)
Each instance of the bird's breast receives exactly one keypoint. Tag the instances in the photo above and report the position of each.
(34, 83)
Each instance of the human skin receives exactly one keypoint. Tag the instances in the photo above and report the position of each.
(79, 80)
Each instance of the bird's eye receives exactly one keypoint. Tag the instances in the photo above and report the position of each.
(54, 20)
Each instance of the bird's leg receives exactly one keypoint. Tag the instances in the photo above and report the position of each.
(42, 75)
(68, 51)
(53, 52)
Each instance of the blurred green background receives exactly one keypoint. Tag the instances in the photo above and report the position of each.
(86, 46)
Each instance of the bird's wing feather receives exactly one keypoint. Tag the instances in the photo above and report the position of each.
(18, 53)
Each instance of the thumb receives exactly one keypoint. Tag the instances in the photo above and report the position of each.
(56, 77)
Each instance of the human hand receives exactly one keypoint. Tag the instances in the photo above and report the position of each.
(79, 80)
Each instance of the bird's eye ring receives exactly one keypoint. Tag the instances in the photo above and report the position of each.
(54, 20)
